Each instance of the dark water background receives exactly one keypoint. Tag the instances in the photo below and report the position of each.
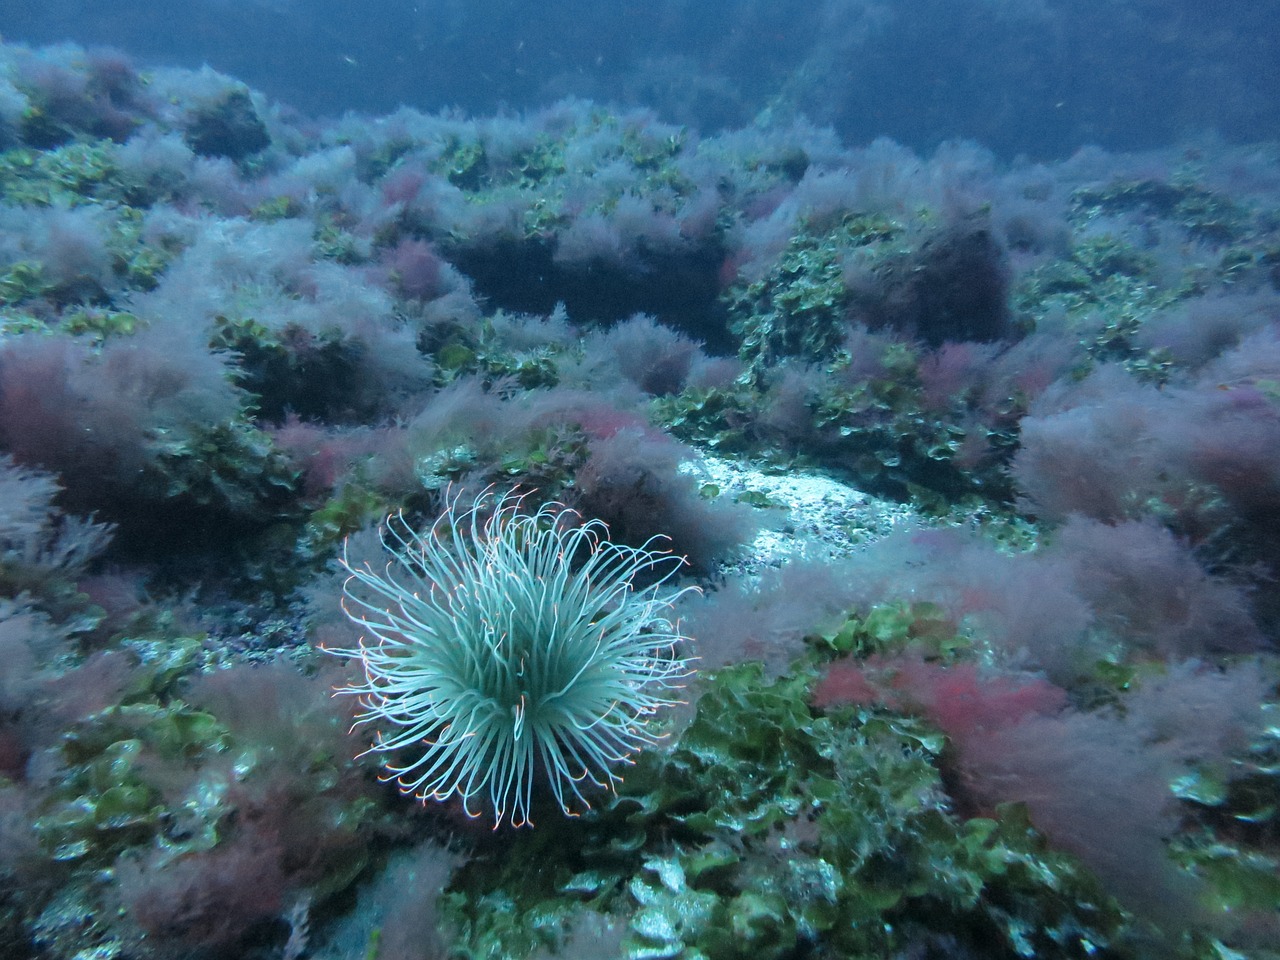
(1036, 77)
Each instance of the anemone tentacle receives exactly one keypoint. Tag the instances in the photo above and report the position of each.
(507, 646)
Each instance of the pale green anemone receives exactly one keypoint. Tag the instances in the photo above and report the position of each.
(505, 649)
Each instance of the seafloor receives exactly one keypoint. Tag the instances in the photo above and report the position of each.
(976, 464)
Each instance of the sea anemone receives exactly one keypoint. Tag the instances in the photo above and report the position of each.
(506, 648)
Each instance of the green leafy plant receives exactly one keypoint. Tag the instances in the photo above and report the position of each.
(775, 830)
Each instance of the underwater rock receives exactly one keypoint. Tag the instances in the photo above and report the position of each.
(230, 127)
(953, 287)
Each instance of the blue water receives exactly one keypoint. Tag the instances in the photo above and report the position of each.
(1036, 77)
